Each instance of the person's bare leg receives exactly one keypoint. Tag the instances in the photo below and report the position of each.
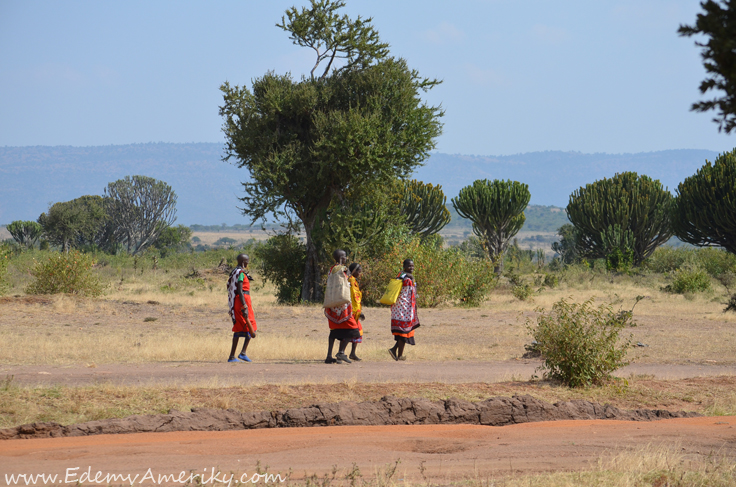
(400, 352)
(330, 344)
(234, 347)
(352, 352)
(343, 345)
(245, 345)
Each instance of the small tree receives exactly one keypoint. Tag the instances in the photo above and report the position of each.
(173, 239)
(425, 208)
(718, 23)
(282, 263)
(705, 205)
(625, 215)
(74, 223)
(26, 233)
(496, 209)
(141, 209)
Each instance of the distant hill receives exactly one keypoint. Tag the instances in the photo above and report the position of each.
(553, 175)
(208, 188)
(539, 218)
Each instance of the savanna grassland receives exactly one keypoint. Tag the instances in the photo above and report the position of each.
(176, 315)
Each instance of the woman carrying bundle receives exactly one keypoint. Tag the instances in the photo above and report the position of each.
(404, 318)
(343, 326)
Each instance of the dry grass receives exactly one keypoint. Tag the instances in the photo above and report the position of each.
(68, 405)
(209, 238)
(658, 466)
(192, 323)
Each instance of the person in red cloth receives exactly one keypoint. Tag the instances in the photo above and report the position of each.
(241, 308)
(343, 326)
(404, 318)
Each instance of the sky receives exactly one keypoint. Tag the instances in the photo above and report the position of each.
(589, 76)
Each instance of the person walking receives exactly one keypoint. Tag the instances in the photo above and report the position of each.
(343, 326)
(241, 308)
(404, 319)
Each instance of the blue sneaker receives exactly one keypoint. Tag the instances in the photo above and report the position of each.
(234, 360)
(244, 358)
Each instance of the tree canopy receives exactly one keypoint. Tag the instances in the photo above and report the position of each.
(141, 208)
(307, 142)
(627, 213)
(333, 37)
(74, 223)
(424, 206)
(496, 209)
(718, 24)
(704, 211)
(26, 233)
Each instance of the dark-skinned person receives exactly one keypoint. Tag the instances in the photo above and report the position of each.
(343, 326)
(241, 308)
(355, 300)
(404, 318)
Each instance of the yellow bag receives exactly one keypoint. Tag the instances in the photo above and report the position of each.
(392, 292)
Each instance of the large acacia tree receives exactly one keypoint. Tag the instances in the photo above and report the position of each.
(309, 141)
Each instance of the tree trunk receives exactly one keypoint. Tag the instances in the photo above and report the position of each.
(311, 285)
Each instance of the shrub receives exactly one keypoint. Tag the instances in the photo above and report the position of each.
(282, 260)
(668, 259)
(580, 343)
(551, 280)
(69, 273)
(4, 259)
(442, 274)
(522, 291)
(689, 281)
(620, 260)
(715, 261)
(476, 279)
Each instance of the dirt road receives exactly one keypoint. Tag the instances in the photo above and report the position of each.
(196, 373)
(446, 452)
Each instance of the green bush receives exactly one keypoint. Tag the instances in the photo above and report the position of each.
(620, 260)
(689, 281)
(668, 259)
(442, 274)
(4, 260)
(580, 343)
(282, 259)
(551, 280)
(522, 291)
(715, 261)
(69, 273)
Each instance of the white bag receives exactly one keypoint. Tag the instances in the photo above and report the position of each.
(338, 288)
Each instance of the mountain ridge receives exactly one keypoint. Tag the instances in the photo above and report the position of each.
(208, 188)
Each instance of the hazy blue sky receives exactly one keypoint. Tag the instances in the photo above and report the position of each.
(590, 76)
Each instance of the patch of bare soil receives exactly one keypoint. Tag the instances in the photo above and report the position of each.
(495, 411)
(426, 452)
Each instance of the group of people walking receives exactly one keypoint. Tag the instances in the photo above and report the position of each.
(345, 321)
